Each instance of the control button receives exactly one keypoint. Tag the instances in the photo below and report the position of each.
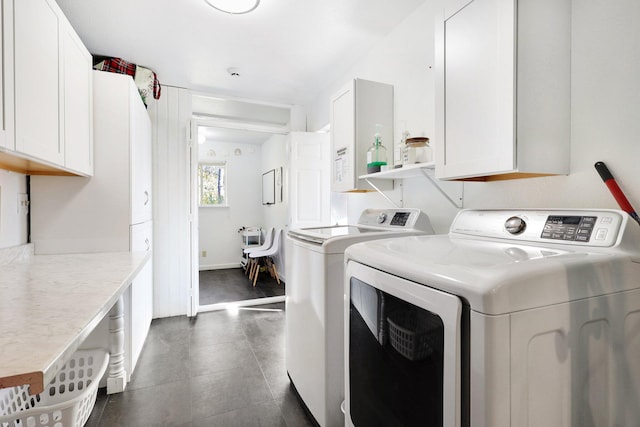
(382, 218)
(601, 233)
(582, 238)
(515, 225)
(606, 220)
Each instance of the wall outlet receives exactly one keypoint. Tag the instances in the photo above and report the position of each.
(23, 204)
(204, 254)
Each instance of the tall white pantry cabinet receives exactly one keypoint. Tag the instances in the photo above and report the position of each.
(110, 211)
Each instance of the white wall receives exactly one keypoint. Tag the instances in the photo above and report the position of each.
(218, 226)
(13, 227)
(605, 111)
(274, 155)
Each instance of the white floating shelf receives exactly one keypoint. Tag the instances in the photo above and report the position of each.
(406, 171)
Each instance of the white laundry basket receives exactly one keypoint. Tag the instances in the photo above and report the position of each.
(67, 400)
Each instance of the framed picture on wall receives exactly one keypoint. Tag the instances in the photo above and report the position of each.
(269, 187)
(279, 186)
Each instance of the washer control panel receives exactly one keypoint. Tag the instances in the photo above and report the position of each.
(407, 218)
(574, 227)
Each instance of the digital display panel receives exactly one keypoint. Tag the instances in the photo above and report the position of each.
(400, 218)
(569, 228)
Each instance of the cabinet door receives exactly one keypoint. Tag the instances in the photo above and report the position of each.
(37, 72)
(6, 77)
(77, 130)
(141, 292)
(343, 175)
(140, 161)
(477, 98)
(309, 203)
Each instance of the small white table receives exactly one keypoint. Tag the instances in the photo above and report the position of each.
(251, 236)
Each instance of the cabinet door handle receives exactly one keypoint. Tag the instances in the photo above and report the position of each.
(146, 197)
(148, 243)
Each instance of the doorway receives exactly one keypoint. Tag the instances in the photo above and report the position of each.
(227, 163)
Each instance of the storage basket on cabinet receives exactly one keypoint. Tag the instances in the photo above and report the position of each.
(415, 335)
(67, 400)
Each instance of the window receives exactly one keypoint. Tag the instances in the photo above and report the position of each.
(212, 186)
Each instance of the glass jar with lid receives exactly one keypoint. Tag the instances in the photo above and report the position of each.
(417, 150)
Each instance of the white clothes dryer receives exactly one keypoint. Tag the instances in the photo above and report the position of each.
(314, 303)
(515, 318)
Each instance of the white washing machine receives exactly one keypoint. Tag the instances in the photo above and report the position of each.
(515, 318)
(315, 301)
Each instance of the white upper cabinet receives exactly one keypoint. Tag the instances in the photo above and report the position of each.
(46, 92)
(141, 174)
(97, 214)
(355, 111)
(503, 89)
(37, 77)
(123, 140)
(7, 140)
(77, 132)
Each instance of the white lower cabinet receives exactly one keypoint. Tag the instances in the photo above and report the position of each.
(141, 294)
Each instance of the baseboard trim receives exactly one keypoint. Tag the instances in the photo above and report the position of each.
(238, 304)
(219, 266)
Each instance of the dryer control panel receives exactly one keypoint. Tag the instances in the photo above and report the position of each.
(572, 228)
(583, 227)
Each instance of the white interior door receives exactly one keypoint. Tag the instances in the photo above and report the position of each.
(192, 147)
(310, 169)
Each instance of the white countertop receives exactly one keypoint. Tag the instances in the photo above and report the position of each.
(48, 306)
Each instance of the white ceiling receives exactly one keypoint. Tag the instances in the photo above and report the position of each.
(287, 51)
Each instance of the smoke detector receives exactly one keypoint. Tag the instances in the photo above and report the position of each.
(233, 72)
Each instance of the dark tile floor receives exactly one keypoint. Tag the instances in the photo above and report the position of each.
(228, 285)
(219, 369)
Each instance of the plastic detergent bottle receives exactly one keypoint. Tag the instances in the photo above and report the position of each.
(377, 153)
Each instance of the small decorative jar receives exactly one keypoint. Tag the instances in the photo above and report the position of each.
(417, 150)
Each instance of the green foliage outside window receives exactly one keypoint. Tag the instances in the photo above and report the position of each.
(211, 184)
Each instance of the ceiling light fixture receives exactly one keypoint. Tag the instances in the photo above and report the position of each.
(234, 7)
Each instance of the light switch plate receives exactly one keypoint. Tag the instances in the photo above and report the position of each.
(23, 204)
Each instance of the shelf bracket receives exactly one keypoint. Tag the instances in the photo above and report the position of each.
(382, 193)
(457, 204)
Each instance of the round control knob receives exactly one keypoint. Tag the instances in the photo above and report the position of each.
(515, 225)
(382, 217)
